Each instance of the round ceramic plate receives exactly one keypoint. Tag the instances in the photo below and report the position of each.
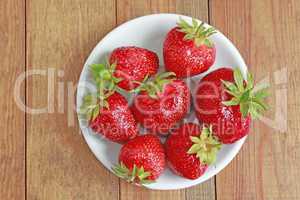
(149, 32)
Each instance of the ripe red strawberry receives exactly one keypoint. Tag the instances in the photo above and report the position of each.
(187, 49)
(133, 64)
(161, 103)
(190, 149)
(141, 160)
(107, 111)
(228, 102)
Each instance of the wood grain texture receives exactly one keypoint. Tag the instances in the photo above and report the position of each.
(60, 35)
(267, 34)
(127, 10)
(12, 119)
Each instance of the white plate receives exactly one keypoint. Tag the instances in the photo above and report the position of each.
(149, 32)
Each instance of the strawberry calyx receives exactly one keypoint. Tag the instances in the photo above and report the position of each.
(135, 175)
(197, 32)
(155, 86)
(103, 76)
(92, 104)
(205, 146)
(246, 95)
(106, 85)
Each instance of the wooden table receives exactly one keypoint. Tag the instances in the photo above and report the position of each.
(44, 156)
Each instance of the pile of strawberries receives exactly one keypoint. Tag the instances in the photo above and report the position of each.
(224, 103)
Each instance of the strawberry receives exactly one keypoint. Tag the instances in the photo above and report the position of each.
(161, 102)
(187, 50)
(133, 64)
(141, 160)
(228, 102)
(107, 111)
(190, 149)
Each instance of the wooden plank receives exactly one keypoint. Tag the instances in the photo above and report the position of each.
(129, 9)
(12, 118)
(60, 36)
(267, 34)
